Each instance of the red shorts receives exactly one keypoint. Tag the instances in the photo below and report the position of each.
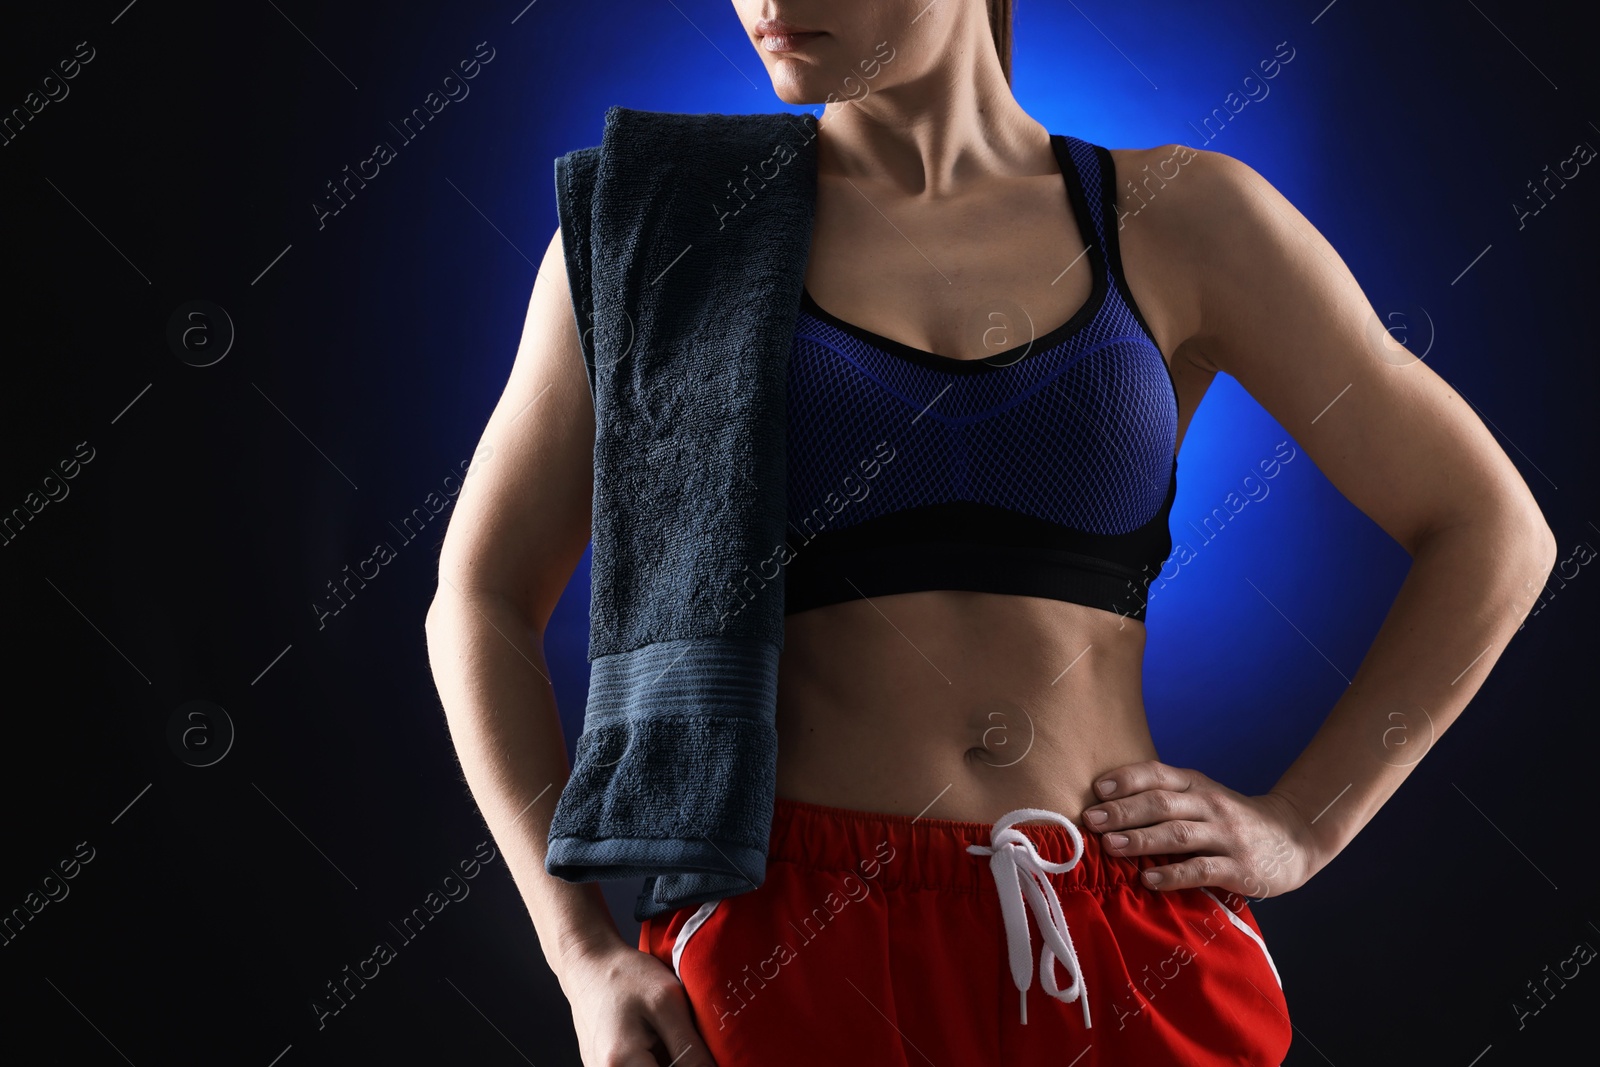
(881, 939)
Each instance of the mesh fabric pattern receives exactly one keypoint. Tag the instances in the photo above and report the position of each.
(1080, 433)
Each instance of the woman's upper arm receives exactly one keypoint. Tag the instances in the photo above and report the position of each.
(522, 518)
(1281, 313)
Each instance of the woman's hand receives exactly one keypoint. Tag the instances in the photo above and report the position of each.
(629, 1009)
(1255, 846)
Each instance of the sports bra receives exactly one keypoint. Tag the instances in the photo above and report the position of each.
(1046, 470)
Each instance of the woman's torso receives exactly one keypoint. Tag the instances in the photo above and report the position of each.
(960, 704)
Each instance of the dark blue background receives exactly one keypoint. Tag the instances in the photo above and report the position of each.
(186, 558)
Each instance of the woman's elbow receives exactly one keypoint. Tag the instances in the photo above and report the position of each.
(1541, 538)
(1528, 537)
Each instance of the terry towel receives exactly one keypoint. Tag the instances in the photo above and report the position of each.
(686, 241)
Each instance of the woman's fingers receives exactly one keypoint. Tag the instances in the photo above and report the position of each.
(1146, 774)
(1157, 809)
(1146, 809)
(1176, 836)
(630, 1010)
(1223, 872)
(675, 1027)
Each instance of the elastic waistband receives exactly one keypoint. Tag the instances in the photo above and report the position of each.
(908, 850)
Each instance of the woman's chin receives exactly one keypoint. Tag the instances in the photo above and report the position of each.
(798, 91)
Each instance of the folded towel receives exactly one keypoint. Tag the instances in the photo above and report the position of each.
(686, 238)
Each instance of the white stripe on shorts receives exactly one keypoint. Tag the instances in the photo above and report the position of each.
(688, 930)
(1241, 924)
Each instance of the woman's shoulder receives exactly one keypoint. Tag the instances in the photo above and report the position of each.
(1195, 188)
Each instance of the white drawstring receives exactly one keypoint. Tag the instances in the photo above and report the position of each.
(1012, 854)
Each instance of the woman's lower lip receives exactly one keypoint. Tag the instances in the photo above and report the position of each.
(788, 42)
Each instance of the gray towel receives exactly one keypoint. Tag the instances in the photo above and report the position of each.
(687, 238)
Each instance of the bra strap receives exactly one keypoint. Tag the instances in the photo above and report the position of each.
(1086, 162)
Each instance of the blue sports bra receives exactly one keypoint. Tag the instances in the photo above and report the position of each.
(1047, 474)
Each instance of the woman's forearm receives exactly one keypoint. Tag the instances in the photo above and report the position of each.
(488, 663)
(1467, 592)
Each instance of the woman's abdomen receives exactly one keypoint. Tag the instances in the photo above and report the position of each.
(959, 705)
